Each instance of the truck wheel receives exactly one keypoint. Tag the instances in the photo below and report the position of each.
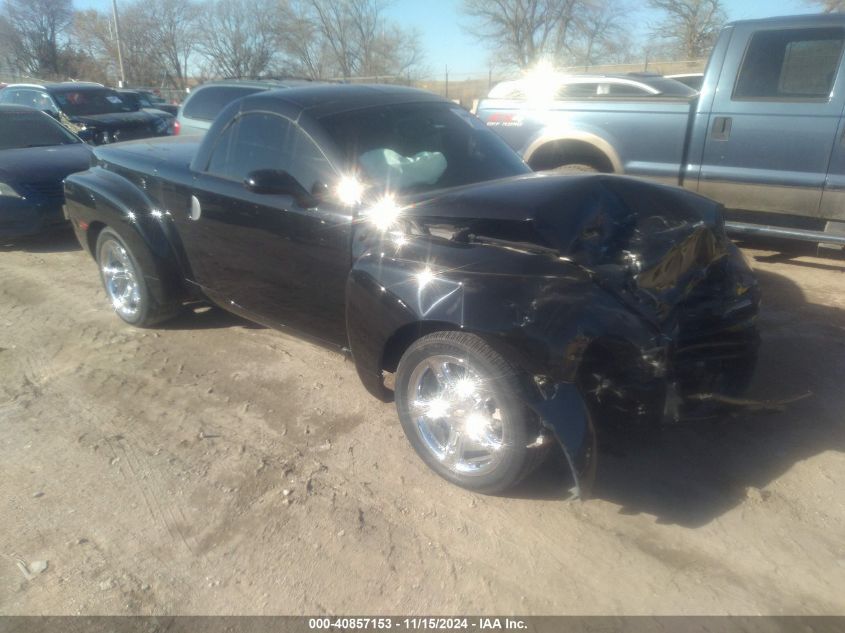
(460, 407)
(576, 168)
(125, 284)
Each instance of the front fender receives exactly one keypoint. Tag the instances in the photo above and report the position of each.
(542, 319)
(98, 197)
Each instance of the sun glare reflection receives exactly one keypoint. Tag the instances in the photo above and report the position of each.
(349, 190)
(384, 213)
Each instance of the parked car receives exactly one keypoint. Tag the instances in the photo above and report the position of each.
(95, 113)
(150, 99)
(137, 100)
(763, 137)
(36, 153)
(693, 80)
(587, 86)
(205, 102)
(392, 226)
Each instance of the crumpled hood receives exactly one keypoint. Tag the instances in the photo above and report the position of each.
(43, 164)
(652, 242)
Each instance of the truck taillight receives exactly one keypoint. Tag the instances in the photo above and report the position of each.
(176, 127)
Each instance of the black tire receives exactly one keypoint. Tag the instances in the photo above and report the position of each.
(514, 460)
(146, 311)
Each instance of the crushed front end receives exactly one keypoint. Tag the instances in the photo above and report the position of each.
(623, 302)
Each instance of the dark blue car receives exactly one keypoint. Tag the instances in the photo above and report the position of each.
(36, 153)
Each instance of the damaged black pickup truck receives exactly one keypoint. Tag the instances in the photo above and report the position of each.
(515, 310)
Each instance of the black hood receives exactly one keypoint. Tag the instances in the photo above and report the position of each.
(593, 218)
(43, 164)
(117, 120)
(655, 242)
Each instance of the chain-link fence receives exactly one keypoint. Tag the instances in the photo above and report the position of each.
(463, 88)
(468, 88)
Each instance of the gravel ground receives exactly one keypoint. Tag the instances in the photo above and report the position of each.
(216, 467)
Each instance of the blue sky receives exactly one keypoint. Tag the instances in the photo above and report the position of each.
(439, 21)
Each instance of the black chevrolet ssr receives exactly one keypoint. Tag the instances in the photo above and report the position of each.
(515, 310)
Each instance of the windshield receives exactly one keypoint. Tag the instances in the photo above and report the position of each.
(151, 97)
(31, 129)
(132, 100)
(418, 147)
(90, 101)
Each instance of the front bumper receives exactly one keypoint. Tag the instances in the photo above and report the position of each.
(20, 217)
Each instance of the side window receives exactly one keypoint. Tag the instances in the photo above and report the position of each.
(624, 90)
(790, 65)
(15, 96)
(45, 102)
(268, 141)
(28, 98)
(580, 90)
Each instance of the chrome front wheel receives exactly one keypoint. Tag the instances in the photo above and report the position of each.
(456, 415)
(462, 407)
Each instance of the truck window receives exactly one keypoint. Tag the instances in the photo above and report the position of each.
(579, 90)
(790, 65)
(623, 90)
(268, 141)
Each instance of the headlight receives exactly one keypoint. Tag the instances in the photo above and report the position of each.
(8, 192)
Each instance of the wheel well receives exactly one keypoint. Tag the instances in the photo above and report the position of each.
(404, 337)
(569, 152)
(91, 236)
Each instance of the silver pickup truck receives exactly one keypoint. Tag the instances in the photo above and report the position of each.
(765, 136)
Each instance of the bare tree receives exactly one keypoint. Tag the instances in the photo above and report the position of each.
(309, 53)
(335, 26)
(348, 38)
(394, 52)
(8, 47)
(237, 38)
(689, 26)
(599, 34)
(174, 34)
(526, 31)
(829, 6)
(94, 34)
(38, 34)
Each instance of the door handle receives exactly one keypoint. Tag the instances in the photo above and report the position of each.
(196, 209)
(721, 128)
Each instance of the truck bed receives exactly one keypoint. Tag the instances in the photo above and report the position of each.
(647, 135)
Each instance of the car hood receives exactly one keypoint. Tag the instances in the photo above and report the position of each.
(652, 245)
(159, 113)
(116, 120)
(43, 164)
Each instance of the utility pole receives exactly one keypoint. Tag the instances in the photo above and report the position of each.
(122, 83)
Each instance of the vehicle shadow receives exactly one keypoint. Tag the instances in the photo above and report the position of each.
(60, 240)
(202, 316)
(692, 473)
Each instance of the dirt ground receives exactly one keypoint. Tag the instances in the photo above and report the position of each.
(216, 467)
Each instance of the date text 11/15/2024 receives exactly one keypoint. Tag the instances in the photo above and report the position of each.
(416, 623)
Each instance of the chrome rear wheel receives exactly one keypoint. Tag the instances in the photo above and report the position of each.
(126, 284)
(120, 278)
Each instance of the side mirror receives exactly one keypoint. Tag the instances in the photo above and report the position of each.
(278, 182)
